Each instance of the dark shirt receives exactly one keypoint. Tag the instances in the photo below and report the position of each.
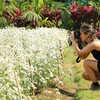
(96, 54)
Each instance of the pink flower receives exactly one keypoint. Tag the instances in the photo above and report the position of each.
(15, 19)
(87, 8)
(80, 9)
(74, 10)
(74, 7)
(34, 23)
(57, 10)
(18, 12)
(44, 8)
(78, 15)
(49, 13)
(74, 4)
(98, 34)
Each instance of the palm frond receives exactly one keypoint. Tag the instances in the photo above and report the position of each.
(25, 5)
(35, 3)
(48, 1)
(30, 16)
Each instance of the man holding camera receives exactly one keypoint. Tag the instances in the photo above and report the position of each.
(92, 67)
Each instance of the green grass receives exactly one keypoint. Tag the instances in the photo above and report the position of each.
(69, 55)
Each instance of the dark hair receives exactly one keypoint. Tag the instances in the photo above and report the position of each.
(85, 28)
(88, 29)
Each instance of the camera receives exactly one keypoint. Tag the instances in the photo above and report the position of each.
(77, 34)
(79, 41)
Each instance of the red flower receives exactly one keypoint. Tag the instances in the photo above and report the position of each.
(56, 10)
(34, 23)
(98, 34)
(49, 13)
(15, 19)
(44, 8)
(87, 8)
(74, 4)
(74, 10)
(74, 7)
(18, 12)
(78, 15)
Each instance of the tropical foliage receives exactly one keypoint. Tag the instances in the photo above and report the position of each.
(50, 13)
(82, 14)
(88, 14)
(24, 13)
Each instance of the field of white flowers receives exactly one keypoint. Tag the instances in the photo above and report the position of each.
(29, 60)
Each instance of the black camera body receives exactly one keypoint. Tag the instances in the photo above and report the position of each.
(77, 34)
(79, 41)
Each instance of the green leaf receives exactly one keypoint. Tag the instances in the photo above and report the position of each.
(30, 16)
(66, 19)
(2, 7)
(3, 22)
(35, 3)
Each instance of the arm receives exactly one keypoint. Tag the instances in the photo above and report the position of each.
(82, 52)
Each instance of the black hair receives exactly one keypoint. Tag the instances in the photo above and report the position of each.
(87, 29)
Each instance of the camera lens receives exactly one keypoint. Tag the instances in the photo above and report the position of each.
(77, 34)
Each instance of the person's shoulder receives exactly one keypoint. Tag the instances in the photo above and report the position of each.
(96, 43)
